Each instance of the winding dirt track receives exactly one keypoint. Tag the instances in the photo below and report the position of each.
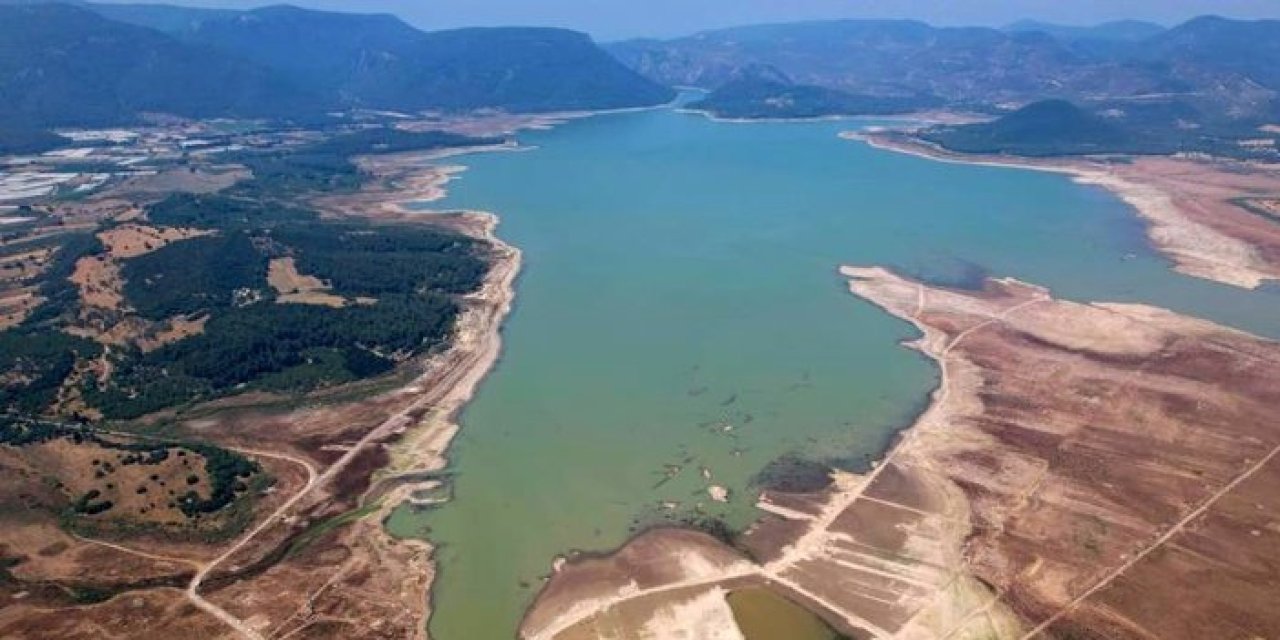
(397, 422)
(446, 387)
(203, 569)
(193, 588)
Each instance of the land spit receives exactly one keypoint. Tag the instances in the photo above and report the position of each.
(1084, 471)
(1207, 215)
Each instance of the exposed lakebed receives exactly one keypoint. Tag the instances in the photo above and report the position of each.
(681, 324)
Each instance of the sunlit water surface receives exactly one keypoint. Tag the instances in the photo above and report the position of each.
(681, 309)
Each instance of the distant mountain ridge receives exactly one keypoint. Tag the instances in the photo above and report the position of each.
(161, 17)
(81, 64)
(1217, 64)
(1250, 49)
(764, 92)
(1205, 84)
(1209, 85)
(64, 65)
(1119, 30)
(859, 56)
(379, 61)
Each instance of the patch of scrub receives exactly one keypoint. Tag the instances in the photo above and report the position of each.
(764, 615)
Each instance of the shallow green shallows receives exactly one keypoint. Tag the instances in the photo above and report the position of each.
(764, 615)
(680, 310)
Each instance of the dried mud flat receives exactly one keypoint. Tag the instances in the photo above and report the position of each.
(1084, 471)
(1199, 212)
(315, 561)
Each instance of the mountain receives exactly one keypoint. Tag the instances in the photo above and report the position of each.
(971, 65)
(316, 47)
(1050, 127)
(1058, 127)
(378, 61)
(1224, 68)
(62, 65)
(93, 65)
(524, 69)
(1248, 49)
(763, 92)
(1107, 41)
(22, 140)
(1118, 31)
(161, 17)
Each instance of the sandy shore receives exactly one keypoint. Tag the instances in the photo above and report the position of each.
(452, 379)
(412, 441)
(1188, 204)
(477, 347)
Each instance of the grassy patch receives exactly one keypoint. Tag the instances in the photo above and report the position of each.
(319, 529)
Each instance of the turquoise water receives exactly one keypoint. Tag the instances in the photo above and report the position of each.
(680, 279)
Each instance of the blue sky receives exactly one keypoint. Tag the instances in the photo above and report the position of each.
(613, 19)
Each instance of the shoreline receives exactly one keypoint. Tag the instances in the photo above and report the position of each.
(922, 117)
(1194, 247)
(703, 560)
(710, 115)
(454, 377)
(429, 443)
(977, 521)
(314, 540)
(435, 442)
(509, 124)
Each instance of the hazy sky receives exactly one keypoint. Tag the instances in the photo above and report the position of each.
(613, 19)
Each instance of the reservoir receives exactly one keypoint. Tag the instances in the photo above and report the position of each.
(681, 324)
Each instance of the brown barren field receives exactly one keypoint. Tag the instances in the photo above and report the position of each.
(295, 288)
(133, 240)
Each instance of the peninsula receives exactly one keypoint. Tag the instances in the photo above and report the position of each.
(1024, 501)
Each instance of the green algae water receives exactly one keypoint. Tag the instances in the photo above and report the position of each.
(764, 615)
(680, 316)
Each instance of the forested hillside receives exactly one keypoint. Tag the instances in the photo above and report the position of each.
(1052, 127)
(251, 291)
(62, 65)
(378, 61)
(95, 65)
(766, 93)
